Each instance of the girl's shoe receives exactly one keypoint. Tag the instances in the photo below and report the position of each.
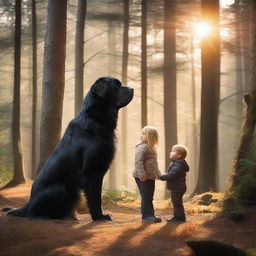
(176, 219)
(152, 219)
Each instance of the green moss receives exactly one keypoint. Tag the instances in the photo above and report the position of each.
(116, 195)
(242, 196)
(233, 209)
(246, 187)
(5, 175)
(246, 190)
(242, 193)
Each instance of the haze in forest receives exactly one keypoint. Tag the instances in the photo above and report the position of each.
(103, 57)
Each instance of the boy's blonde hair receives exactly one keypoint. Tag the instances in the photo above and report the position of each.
(181, 149)
(151, 136)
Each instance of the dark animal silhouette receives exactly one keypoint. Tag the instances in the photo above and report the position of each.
(213, 248)
(81, 158)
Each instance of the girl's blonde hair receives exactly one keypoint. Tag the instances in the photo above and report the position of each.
(151, 136)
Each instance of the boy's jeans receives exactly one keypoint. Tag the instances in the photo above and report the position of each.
(147, 190)
(178, 208)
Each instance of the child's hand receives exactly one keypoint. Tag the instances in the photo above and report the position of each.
(143, 179)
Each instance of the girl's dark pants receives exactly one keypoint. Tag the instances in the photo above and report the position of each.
(147, 189)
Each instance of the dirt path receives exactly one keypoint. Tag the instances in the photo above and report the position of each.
(125, 236)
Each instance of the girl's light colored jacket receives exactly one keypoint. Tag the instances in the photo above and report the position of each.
(146, 165)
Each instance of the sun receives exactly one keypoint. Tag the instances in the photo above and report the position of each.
(202, 29)
(225, 3)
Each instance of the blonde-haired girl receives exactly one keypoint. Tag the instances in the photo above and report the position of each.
(146, 171)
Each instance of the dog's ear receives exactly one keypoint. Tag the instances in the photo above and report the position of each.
(99, 87)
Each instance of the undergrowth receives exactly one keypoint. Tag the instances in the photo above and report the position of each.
(116, 195)
(5, 175)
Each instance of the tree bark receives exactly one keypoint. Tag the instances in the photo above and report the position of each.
(125, 57)
(245, 13)
(34, 90)
(208, 163)
(53, 78)
(112, 66)
(18, 175)
(238, 60)
(194, 117)
(243, 187)
(247, 148)
(144, 111)
(170, 115)
(79, 55)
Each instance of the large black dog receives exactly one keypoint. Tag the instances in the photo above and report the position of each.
(81, 158)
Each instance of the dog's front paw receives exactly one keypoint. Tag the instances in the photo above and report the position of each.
(107, 217)
(103, 217)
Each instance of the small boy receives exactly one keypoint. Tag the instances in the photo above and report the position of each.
(176, 181)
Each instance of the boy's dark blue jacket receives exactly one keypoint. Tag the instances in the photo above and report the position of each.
(176, 176)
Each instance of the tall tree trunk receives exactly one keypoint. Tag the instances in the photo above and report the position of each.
(193, 108)
(238, 56)
(245, 13)
(243, 187)
(79, 55)
(125, 57)
(112, 181)
(53, 78)
(112, 65)
(208, 163)
(144, 111)
(170, 115)
(34, 90)
(247, 150)
(18, 175)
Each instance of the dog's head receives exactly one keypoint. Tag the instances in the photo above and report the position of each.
(111, 90)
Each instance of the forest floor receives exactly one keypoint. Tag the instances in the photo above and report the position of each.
(125, 235)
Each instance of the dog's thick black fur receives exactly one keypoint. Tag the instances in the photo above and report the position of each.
(81, 158)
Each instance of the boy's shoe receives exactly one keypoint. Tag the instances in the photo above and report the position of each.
(152, 219)
(176, 219)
